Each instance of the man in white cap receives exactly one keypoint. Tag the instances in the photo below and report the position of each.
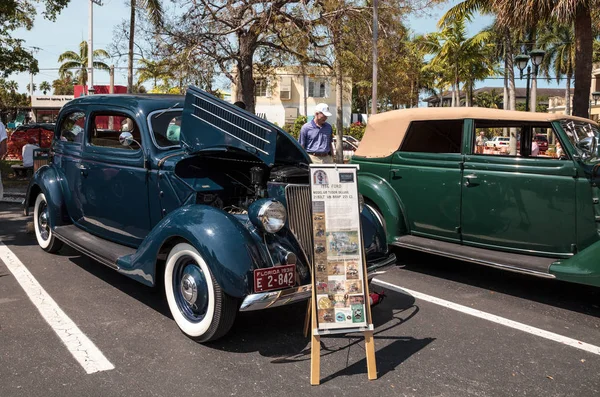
(316, 136)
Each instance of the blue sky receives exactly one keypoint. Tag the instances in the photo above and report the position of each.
(71, 27)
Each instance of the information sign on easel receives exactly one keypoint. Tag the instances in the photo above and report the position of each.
(340, 300)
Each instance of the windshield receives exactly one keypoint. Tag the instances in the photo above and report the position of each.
(165, 125)
(584, 138)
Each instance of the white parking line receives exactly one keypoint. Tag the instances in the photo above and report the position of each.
(493, 318)
(80, 346)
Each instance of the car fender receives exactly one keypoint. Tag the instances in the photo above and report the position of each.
(583, 268)
(223, 241)
(46, 180)
(378, 191)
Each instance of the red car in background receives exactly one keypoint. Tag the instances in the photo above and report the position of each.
(40, 134)
(542, 142)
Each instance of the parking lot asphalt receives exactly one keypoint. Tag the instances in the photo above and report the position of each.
(423, 348)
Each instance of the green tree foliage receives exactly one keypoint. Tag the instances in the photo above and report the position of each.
(491, 99)
(16, 14)
(10, 99)
(79, 61)
(45, 87)
(558, 41)
(64, 84)
(154, 11)
(579, 12)
(153, 71)
(458, 58)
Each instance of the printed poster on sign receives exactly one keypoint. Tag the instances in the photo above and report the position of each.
(339, 270)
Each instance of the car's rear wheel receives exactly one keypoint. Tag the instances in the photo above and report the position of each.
(198, 304)
(41, 223)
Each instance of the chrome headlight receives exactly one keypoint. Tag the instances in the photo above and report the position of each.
(268, 214)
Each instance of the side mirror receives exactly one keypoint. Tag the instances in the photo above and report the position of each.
(126, 139)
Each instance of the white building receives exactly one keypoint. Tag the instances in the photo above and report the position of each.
(281, 96)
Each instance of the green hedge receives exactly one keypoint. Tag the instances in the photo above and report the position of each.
(357, 130)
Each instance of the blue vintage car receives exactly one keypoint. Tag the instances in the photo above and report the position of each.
(191, 192)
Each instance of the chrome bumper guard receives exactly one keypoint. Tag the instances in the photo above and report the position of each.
(265, 300)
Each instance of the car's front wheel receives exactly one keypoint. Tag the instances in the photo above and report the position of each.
(41, 223)
(198, 304)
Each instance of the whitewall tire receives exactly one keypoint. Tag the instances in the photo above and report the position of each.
(198, 305)
(41, 223)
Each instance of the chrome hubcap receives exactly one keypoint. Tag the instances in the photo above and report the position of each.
(43, 225)
(189, 289)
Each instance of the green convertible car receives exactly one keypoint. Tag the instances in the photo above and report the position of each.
(440, 189)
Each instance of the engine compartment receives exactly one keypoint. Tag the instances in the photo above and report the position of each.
(231, 181)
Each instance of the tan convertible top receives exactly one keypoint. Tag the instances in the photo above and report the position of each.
(385, 131)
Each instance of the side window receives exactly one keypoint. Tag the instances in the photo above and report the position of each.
(107, 127)
(439, 136)
(493, 138)
(72, 127)
(166, 127)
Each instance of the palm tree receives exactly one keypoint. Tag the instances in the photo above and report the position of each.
(502, 36)
(72, 60)
(153, 70)
(29, 87)
(557, 40)
(155, 13)
(64, 84)
(467, 59)
(491, 99)
(530, 13)
(45, 87)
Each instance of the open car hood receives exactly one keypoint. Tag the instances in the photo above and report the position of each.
(209, 123)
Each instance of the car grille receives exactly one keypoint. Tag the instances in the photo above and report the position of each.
(298, 202)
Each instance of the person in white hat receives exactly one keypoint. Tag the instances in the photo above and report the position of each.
(316, 136)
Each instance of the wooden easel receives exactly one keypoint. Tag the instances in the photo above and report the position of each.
(315, 337)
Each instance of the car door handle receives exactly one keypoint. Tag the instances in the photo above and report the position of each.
(471, 180)
(393, 171)
(83, 170)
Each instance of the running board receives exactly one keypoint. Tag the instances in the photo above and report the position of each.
(527, 264)
(104, 251)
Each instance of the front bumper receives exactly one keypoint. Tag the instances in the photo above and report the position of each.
(264, 300)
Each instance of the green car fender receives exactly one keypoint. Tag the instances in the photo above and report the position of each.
(379, 192)
(583, 268)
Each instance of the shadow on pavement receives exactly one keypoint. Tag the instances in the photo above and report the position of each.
(278, 333)
(574, 297)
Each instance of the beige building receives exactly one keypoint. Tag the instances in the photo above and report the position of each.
(557, 103)
(281, 96)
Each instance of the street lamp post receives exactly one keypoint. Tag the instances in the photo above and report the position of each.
(91, 46)
(522, 61)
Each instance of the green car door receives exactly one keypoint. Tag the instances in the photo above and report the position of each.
(426, 175)
(521, 202)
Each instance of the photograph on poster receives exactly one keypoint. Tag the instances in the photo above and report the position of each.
(337, 287)
(321, 268)
(342, 243)
(340, 301)
(356, 299)
(353, 287)
(358, 313)
(336, 268)
(352, 270)
(326, 316)
(322, 284)
(320, 178)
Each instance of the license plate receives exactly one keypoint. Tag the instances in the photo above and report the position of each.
(274, 278)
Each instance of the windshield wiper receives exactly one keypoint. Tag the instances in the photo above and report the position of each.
(166, 110)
